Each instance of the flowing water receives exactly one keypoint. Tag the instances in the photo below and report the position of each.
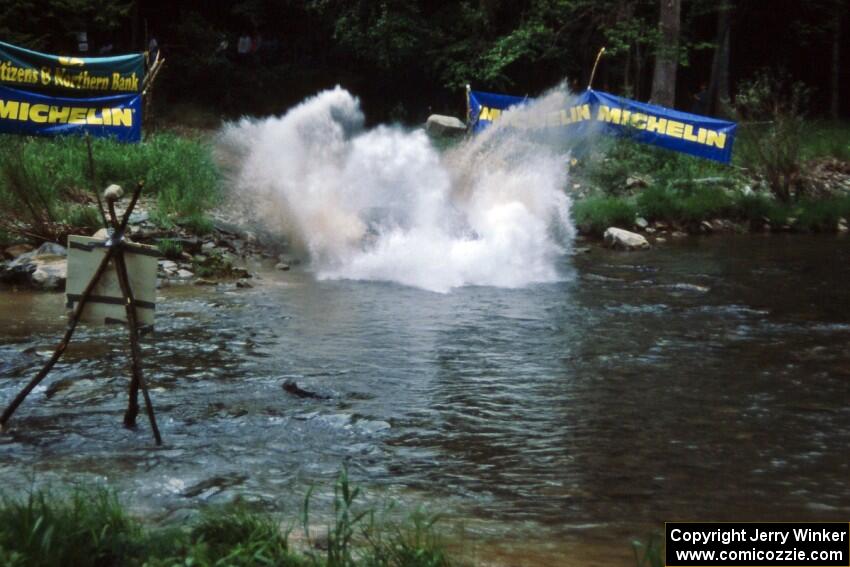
(706, 381)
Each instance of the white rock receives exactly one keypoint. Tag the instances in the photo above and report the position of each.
(49, 274)
(184, 274)
(444, 125)
(641, 222)
(50, 249)
(624, 240)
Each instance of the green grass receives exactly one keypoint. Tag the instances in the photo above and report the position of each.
(90, 528)
(170, 248)
(826, 139)
(45, 188)
(594, 214)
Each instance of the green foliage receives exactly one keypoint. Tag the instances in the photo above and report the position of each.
(170, 248)
(771, 146)
(85, 216)
(615, 161)
(651, 553)
(91, 528)
(659, 203)
(86, 528)
(757, 207)
(821, 215)
(45, 190)
(41, 24)
(595, 214)
(826, 139)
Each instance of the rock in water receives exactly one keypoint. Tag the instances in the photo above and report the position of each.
(293, 388)
(624, 240)
(50, 274)
(444, 125)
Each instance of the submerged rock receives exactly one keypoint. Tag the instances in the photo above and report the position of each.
(624, 240)
(291, 387)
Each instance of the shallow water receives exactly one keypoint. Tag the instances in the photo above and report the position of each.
(708, 380)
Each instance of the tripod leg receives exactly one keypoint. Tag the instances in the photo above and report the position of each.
(69, 332)
(138, 379)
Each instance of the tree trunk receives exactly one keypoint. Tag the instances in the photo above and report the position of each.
(667, 54)
(836, 66)
(718, 89)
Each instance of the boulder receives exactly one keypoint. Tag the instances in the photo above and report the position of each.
(45, 268)
(624, 240)
(641, 223)
(842, 225)
(101, 234)
(50, 249)
(282, 266)
(50, 273)
(444, 125)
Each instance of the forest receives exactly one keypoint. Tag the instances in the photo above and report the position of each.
(407, 59)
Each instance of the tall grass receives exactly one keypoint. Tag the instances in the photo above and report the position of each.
(45, 190)
(826, 139)
(90, 528)
(594, 214)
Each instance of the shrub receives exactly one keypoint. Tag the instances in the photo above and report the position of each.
(819, 216)
(771, 146)
(169, 248)
(755, 207)
(595, 214)
(45, 190)
(87, 528)
(705, 203)
(658, 203)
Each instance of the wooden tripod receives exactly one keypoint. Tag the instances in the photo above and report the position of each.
(115, 253)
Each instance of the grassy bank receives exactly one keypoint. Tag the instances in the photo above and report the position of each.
(46, 191)
(623, 180)
(92, 528)
(688, 208)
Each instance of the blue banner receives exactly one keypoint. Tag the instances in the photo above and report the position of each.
(115, 116)
(32, 70)
(683, 132)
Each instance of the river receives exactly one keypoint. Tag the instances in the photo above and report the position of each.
(705, 380)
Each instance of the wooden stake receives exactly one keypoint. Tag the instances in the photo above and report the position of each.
(115, 254)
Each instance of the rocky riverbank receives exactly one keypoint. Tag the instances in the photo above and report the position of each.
(219, 256)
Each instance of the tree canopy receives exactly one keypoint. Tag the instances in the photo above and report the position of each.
(405, 58)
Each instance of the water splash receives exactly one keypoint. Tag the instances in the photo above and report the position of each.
(384, 204)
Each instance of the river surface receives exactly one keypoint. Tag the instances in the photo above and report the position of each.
(708, 380)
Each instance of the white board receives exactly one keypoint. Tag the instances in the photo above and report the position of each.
(106, 303)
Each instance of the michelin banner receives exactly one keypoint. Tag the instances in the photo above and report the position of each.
(31, 70)
(683, 132)
(27, 113)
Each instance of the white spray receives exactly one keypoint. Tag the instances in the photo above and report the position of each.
(384, 204)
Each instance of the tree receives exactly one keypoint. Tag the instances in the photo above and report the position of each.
(718, 89)
(835, 90)
(667, 53)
